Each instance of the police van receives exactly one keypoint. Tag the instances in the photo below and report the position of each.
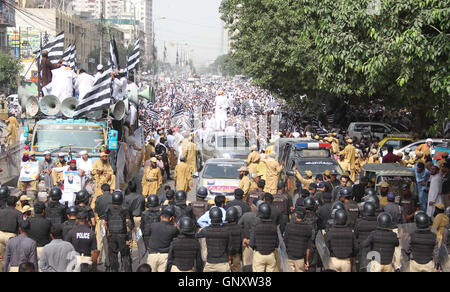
(309, 155)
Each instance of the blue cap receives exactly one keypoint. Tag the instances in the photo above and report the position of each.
(321, 185)
(391, 197)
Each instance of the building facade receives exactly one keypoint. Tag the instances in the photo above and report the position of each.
(7, 19)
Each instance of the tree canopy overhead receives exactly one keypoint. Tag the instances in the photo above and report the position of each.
(392, 52)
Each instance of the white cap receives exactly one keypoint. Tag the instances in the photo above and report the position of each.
(61, 154)
(296, 134)
(47, 152)
(429, 140)
(83, 152)
(99, 67)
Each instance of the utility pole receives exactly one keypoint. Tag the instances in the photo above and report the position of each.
(101, 30)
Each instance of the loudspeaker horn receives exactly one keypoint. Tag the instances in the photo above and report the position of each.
(68, 107)
(28, 102)
(118, 110)
(50, 105)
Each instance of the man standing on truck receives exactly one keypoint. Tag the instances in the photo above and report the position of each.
(103, 173)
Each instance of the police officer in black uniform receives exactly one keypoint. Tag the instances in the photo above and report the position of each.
(161, 235)
(283, 202)
(181, 209)
(345, 196)
(324, 211)
(200, 206)
(71, 220)
(82, 237)
(152, 215)
(299, 238)
(382, 240)
(264, 241)
(10, 219)
(82, 203)
(218, 243)
(4, 194)
(103, 201)
(118, 226)
(237, 236)
(338, 205)
(341, 242)
(371, 196)
(39, 226)
(55, 212)
(363, 227)
(238, 195)
(275, 213)
(135, 202)
(185, 251)
(311, 218)
(422, 246)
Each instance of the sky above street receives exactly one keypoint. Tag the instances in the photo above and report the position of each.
(193, 25)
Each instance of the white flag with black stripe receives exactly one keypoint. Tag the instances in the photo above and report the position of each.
(113, 54)
(98, 98)
(133, 60)
(70, 56)
(55, 48)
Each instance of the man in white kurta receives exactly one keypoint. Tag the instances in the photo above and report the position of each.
(83, 83)
(434, 194)
(62, 83)
(221, 111)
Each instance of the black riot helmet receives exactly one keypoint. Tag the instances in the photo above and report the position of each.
(55, 194)
(170, 195)
(422, 220)
(264, 211)
(309, 203)
(202, 192)
(82, 197)
(73, 210)
(180, 196)
(4, 192)
(372, 199)
(232, 215)
(117, 198)
(369, 192)
(369, 209)
(345, 192)
(340, 217)
(215, 214)
(187, 226)
(384, 220)
(170, 210)
(447, 212)
(338, 205)
(153, 201)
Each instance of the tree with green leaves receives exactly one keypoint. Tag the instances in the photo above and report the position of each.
(394, 53)
(10, 69)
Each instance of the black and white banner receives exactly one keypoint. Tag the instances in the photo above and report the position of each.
(70, 56)
(55, 48)
(133, 60)
(98, 98)
(113, 54)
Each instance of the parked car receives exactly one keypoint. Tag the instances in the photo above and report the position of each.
(411, 148)
(397, 141)
(379, 130)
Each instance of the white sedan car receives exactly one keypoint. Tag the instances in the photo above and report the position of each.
(411, 148)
